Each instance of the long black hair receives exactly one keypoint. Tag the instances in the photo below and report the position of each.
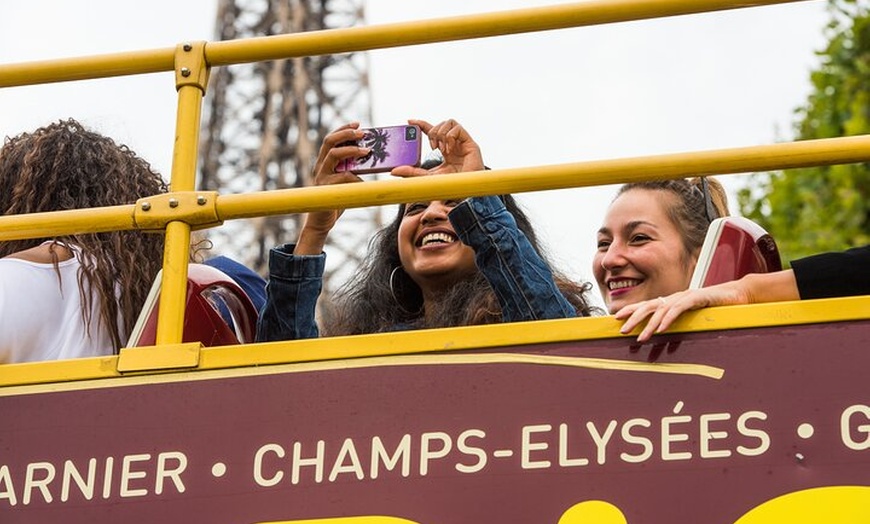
(381, 296)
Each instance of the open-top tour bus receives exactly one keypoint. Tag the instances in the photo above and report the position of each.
(743, 414)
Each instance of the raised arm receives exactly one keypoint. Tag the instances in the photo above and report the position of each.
(296, 270)
(520, 278)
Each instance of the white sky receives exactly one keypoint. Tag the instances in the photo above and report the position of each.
(690, 83)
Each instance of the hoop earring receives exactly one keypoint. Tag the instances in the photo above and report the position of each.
(392, 284)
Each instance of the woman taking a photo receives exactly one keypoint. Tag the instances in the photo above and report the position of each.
(438, 264)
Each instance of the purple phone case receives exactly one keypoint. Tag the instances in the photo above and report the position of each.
(390, 147)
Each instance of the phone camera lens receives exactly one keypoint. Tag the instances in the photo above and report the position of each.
(410, 133)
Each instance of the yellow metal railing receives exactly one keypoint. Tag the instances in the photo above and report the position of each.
(219, 208)
(368, 38)
(185, 209)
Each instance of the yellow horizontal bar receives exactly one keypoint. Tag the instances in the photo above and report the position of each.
(449, 340)
(56, 223)
(87, 68)
(540, 178)
(461, 28)
(541, 332)
(58, 371)
(516, 180)
(367, 38)
(154, 358)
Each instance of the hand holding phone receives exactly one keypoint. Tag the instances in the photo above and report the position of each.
(389, 147)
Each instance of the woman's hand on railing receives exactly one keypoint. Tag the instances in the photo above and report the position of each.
(663, 311)
(337, 146)
(460, 152)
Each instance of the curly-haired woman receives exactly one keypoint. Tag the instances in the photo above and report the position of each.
(72, 295)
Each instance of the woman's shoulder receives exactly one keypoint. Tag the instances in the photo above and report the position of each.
(45, 253)
(34, 267)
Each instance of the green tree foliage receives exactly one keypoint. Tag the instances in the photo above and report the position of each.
(824, 208)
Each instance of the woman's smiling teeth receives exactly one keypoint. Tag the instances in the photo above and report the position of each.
(438, 237)
(621, 284)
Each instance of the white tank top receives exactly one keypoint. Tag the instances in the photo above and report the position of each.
(41, 316)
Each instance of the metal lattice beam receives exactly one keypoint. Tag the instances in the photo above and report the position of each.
(264, 122)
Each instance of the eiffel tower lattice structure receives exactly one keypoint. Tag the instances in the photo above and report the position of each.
(263, 124)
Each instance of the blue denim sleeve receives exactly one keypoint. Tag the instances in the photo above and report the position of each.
(521, 279)
(291, 295)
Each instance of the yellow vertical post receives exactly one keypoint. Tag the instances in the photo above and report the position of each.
(191, 79)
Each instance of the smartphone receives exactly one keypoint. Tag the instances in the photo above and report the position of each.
(391, 147)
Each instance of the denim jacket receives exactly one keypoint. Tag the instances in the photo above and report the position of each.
(521, 280)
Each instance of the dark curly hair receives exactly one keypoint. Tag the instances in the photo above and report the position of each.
(366, 304)
(65, 166)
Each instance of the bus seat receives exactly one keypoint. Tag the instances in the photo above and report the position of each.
(734, 247)
(217, 311)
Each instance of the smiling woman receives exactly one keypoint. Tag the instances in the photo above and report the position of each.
(437, 264)
(651, 238)
(429, 248)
